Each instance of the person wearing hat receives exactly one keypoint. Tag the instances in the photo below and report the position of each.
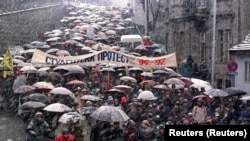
(146, 133)
(89, 104)
(175, 111)
(170, 121)
(199, 111)
(161, 133)
(38, 129)
(110, 101)
(151, 121)
(65, 136)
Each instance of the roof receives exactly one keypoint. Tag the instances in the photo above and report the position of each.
(244, 45)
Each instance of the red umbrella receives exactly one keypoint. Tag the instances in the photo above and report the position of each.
(202, 96)
(187, 80)
(75, 82)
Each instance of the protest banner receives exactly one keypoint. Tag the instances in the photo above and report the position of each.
(107, 56)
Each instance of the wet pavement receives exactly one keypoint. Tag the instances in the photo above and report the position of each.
(11, 127)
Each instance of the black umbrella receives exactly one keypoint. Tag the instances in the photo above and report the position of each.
(38, 97)
(19, 81)
(234, 91)
(216, 93)
(31, 104)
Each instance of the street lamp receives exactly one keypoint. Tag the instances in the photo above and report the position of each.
(213, 42)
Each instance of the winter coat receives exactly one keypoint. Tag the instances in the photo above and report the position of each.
(37, 131)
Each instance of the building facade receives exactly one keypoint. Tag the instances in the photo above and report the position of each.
(189, 32)
(240, 53)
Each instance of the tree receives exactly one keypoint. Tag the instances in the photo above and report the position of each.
(154, 7)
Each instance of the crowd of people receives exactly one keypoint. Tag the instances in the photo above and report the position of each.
(173, 103)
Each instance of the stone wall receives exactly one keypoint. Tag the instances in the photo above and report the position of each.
(23, 26)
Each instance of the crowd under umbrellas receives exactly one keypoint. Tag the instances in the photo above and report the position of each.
(109, 101)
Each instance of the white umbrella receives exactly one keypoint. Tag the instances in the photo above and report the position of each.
(135, 69)
(28, 68)
(123, 87)
(57, 107)
(245, 97)
(110, 114)
(147, 74)
(61, 91)
(128, 78)
(146, 95)
(70, 117)
(161, 86)
(206, 86)
(90, 97)
(175, 81)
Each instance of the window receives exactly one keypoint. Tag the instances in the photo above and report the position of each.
(247, 71)
(227, 83)
(219, 83)
(221, 46)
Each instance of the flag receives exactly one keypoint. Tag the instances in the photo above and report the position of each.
(7, 62)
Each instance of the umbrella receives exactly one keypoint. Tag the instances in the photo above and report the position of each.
(147, 74)
(43, 69)
(160, 86)
(19, 81)
(25, 64)
(99, 46)
(110, 114)
(202, 96)
(75, 82)
(123, 87)
(38, 97)
(206, 86)
(90, 97)
(175, 81)
(146, 95)
(74, 69)
(187, 80)
(43, 85)
(52, 50)
(61, 91)
(160, 72)
(216, 93)
(148, 82)
(245, 97)
(128, 78)
(17, 61)
(32, 104)
(196, 80)
(135, 69)
(141, 47)
(114, 90)
(174, 74)
(234, 91)
(28, 68)
(57, 107)
(107, 69)
(24, 89)
(110, 32)
(63, 53)
(70, 117)
(177, 87)
(86, 110)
